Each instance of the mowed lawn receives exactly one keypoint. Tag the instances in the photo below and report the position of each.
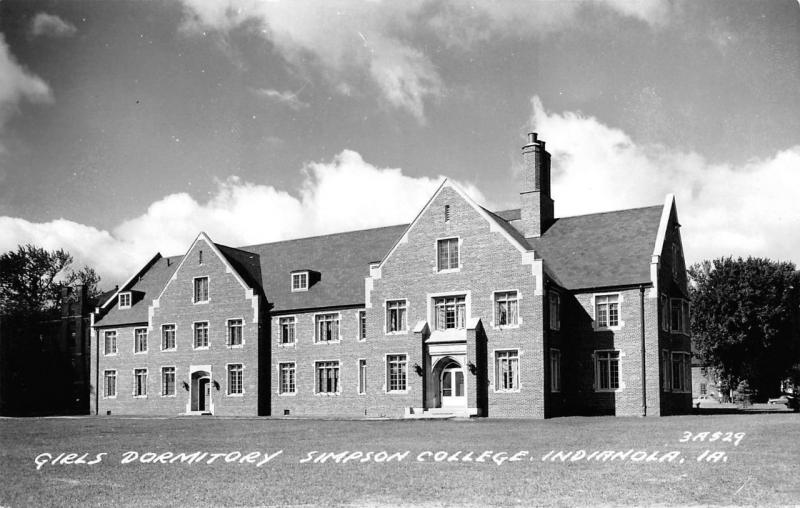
(761, 469)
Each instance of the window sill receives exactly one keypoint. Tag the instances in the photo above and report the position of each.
(326, 394)
(292, 394)
(169, 350)
(140, 352)
(398, 332)
(301, 290)
(608, 328)
(168, 396)
(449, 270)
(397, 392)
(201, 348)
(203, 302)
(505, 327)
(608, 390)
(140, 396)
(235, 346)
(286, 345)
(516, 390)
(109, 397)
(328, 342)
(234, 394)
(109, 354)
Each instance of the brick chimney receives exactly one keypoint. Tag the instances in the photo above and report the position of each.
(536, 203)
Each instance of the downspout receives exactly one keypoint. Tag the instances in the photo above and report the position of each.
(644, 371)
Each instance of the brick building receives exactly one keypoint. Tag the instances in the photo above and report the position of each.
(464, 311)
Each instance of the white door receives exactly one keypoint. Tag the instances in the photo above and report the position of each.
(454, 389)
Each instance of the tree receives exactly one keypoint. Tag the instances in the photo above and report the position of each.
(31, 279)
(746, 320)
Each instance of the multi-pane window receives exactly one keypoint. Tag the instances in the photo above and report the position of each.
(665, 313)
(449, 312)
(167, 381)
(362, 325)
(201, 289)
(110, 383)
(680, 316)
(607, 370)
(606, 310)
(681, 372)
(665, 370)
(124, 300)
(327, 327)
(140, 340)
(110, 340)
(703, 389)
(327, 375)
(287, 325)
(362, 376)
(140, 383)
(201, 334)
(447, 251)
(555, 370)
(286, 381)
(167, 337)
(396, 367)
(234, 332)
(506, 308)
(300, 281)
(395, 315)
(506, 369)
(686, 320)
(235, 379)
(555, 310)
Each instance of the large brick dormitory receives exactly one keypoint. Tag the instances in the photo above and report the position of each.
(464, 312)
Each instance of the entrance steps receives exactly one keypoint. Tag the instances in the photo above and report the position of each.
(437, 413)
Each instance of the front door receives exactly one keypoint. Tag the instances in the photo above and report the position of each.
(204, 394)
(452, 386)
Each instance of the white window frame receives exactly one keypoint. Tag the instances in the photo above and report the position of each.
(293, 328)
(300, 276)
(387, 384)
(361, 317)
(195, 301)
(194, 335)
(684, 362)
(434, 314)
(174, 337)
(684, 310)
(106, 352)
(338, 378)
(596, 360)
(174, 381)
(228, 332)
(106, 374)
(555, 370)
(228, 392)
(362, 376)
(136, 372)
(338, 328)
(136, 349)
(495, 318)
(293, 367)
(126, 297)
(457, 268)
(404, 329)
(517, 375)
(620, 322)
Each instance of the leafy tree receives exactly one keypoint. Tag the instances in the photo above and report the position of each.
(746, 320)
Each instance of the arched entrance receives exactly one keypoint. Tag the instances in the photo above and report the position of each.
(200, 388)
(452, 381)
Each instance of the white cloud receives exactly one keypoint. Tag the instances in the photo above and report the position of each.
(350, 40)
(51, 26)
(344, 194)
(724, 209)
(288, 98)
(17, 84)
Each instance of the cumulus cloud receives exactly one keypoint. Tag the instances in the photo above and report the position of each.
(287, 98)
(380, 40)
(51, 25)
(16, 84)
(344, 194)
(725, 209)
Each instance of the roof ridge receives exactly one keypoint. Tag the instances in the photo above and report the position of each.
(317, 236)
(611, 211)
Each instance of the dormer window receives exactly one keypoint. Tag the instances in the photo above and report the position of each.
(300, 281)
(125, 300)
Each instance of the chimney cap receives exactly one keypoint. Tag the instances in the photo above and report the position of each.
(531, 138)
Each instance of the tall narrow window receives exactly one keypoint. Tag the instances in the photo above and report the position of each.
(449, 312)
(140, 340)
(167, 337)
(362, 376)
(686, 318)
(666, 373)
(140, 383)
(396, 316)
(201, 335)
(167, 381)
(607, 370)
(447, 250)
(681, 372)
(327, 327)
(234, 332)
(396, 373)
(555, 370)
(506, 370)
(555, 310)
(664, 313)
(362, 325)
(506, 309)
(287, 325)
(447, 213)
(110, 383)
(286, 383)
(235, 371)
(677, 316)
(606, 310)
(200, 289)
(110, 340)
(327, 377)
(200, 257)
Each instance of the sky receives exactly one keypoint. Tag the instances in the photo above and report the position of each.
(128, 127)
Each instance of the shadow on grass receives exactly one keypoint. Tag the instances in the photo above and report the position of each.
(702, 411)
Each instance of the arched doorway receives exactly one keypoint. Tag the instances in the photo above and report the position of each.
(201, 401)
(452, 384)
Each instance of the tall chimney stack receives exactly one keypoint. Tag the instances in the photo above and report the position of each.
(536, 203)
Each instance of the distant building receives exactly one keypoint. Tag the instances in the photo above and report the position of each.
(464, 311)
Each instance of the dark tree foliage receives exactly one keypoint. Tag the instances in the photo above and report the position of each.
(31, 280)
(746, 320)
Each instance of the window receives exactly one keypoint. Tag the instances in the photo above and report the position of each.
(327, 377)
(396, 316)
(506, 309)
(286, 378)
(447, 250)
(396, 367)
(664, 313)
(327, 328)
(676, 260)
(665, 370)
(200, 289)
(607, 370)
(362, 377)
(110, 339)
(555, 370)
(167, 381)
(140, 340)
(506, 369)
(681, 372)
(449, 312)
(167, 337)
(140, 383)
(362, 325)
(680, 316)
(686, 318)
(124, 300)
(287, 329)
(201, 335)
(555, 310)
(606, 310)
(300, 281)
(200, 257)
(110, 383)
(234, 332)
(235, 379)
(703, 389)
(447, 213)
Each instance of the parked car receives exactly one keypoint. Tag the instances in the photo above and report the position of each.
(786, 399)
(705, 400)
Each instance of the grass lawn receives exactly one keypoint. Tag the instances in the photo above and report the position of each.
(761, 469)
